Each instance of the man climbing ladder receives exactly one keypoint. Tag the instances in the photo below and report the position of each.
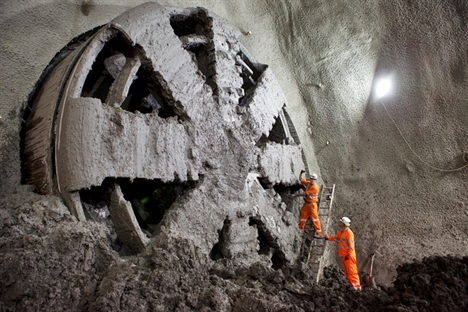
(309, 209)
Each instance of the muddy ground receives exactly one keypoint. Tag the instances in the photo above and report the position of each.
(51, 262)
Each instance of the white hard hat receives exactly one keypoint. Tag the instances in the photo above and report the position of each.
(346, 221)
(313, 176)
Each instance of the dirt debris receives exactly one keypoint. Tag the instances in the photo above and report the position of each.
(50, 261)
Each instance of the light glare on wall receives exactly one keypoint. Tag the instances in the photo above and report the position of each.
(383, 87)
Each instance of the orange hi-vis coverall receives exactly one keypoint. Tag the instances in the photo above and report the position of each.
(345, 239)
(309, 209)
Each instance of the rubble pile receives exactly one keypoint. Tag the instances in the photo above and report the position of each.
(49, 261)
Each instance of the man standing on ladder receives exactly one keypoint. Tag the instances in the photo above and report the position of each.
(309, 209)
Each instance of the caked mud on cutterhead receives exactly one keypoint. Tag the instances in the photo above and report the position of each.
(161, 126)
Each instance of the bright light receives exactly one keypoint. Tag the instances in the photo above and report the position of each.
(382, 87)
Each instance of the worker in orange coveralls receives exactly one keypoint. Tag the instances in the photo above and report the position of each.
(345, 239)
(309, 209)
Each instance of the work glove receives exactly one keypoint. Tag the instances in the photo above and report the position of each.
(346, 258)
(326, 237)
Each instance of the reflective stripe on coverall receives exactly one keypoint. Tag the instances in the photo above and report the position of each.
(309, 209)
(345, 241)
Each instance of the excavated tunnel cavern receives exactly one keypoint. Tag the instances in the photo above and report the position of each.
(159, 163)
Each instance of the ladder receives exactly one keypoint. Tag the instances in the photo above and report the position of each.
(317, 246)
(292, 133)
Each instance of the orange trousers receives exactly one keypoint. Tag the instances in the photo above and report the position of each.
(309, 210)
(351, 272)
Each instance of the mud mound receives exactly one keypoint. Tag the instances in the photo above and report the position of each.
(435, 283)
(74, 273)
